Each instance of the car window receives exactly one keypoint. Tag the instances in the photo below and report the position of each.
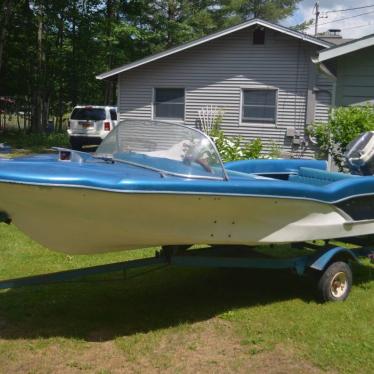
(93, 114)
(113, 115)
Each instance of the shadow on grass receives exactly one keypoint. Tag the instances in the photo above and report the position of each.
(103, 308)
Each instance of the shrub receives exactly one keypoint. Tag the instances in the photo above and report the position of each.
(231, 149)
(275, 151)
(345, 123)
(20, 139)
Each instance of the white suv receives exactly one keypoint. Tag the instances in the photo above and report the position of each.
(89, 125)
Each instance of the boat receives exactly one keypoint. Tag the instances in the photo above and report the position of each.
(154, 183)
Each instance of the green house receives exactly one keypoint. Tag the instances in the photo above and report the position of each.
(351, 65)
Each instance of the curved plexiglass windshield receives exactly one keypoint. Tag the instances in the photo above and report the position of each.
(162, 146)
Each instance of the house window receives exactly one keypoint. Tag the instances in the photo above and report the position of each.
(259, 36)
(169, 103)
(259, 106)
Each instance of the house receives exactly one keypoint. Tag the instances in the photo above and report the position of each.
(259, 74)
(352, 67)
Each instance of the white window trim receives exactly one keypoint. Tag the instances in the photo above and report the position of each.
(182, 121)
(258, 88)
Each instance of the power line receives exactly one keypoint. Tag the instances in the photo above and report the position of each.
(342, 19)
(358, 26)
(347, 9)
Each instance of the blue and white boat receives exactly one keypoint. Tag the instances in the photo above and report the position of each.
(155, 183)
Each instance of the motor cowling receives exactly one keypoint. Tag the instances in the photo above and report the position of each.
(360, 154)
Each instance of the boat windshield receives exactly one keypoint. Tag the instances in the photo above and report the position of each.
(165, 147)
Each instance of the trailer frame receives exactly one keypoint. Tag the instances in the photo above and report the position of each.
(323, 256)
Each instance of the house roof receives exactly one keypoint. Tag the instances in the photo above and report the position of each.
(216, 35)
(335, 41)
(339, 50)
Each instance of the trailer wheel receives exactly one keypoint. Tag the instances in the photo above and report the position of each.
(335, 282)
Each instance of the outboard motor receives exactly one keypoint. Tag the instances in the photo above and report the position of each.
(360, 154)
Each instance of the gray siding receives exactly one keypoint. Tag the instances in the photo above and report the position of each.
(323, 98)
(355, 81)
(216, 72)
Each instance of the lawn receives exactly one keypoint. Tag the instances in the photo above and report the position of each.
(175, 320)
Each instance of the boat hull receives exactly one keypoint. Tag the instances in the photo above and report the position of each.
(81, 221)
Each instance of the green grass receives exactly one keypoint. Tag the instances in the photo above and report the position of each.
(149, 315)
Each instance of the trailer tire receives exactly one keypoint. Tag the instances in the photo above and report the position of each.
(335, 283)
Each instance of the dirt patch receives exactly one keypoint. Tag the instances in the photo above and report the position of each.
(279, 360)
(209, 346)
(212, 346)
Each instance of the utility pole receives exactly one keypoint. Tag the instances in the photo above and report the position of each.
(316, 6)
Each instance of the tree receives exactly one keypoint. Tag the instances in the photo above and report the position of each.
(165, 23)
(6, 7)
(54, 49)
(303, 26)
(235, 11)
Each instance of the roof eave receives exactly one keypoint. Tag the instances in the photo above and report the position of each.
(367, 41)
(208, 38)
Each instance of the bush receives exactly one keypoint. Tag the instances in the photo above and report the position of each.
(231, 149)
(345, 123)
(20, 139)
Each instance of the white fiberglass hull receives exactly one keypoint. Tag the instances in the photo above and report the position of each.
(78, 220)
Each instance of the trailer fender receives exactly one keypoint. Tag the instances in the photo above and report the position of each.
(338, 253)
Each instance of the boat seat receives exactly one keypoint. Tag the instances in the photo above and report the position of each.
(317, 177)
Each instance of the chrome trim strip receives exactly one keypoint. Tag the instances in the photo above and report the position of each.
(350, 223)
(270, 172)
(181, 192)
(164, 172)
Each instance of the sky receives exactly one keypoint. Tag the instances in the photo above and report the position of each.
(355, 27)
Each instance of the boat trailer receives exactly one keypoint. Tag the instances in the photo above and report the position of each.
(328, 264)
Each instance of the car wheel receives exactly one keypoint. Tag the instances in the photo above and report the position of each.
(75, 144)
